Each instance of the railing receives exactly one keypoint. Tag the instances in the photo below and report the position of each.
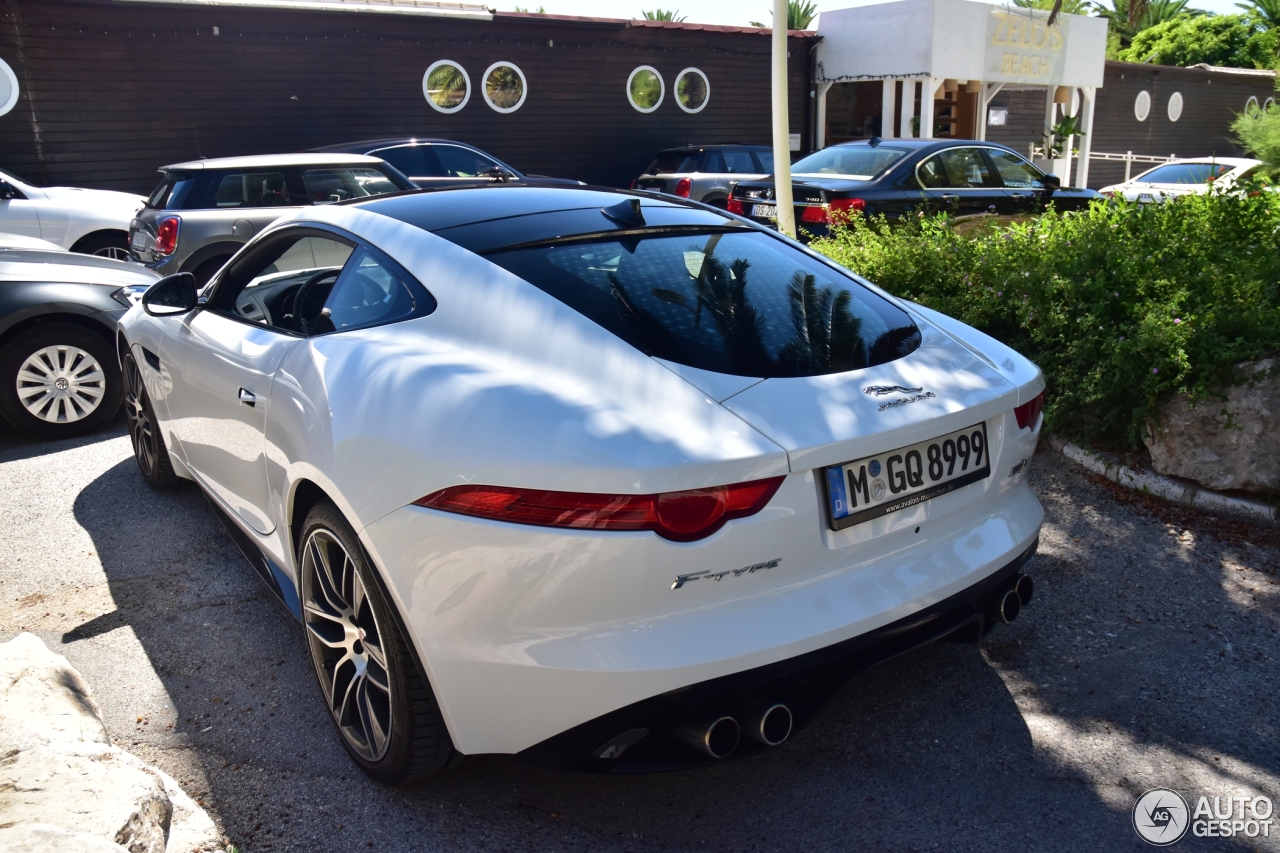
(1129, 158)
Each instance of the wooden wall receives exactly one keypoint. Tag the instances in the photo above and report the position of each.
(112, 90)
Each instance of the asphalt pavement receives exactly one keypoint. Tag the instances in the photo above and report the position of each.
(1147, 659)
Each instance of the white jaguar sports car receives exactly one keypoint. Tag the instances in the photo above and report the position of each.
(608, 480)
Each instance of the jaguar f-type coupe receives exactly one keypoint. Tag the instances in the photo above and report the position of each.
(606, 480)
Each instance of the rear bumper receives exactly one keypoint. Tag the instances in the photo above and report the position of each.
(804, 684)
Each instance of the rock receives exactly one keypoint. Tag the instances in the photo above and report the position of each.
(64, 786)
(1223, 445)
(47, 838)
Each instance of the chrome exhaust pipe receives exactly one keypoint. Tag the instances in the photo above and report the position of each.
(1025, 588)
(1008, 607)
(717, 738)
(770, 725)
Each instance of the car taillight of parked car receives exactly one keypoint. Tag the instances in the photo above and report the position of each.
(735, 206)
(683, 187)
(837, 210)
(1029, 411)
(167, 235)
(679, 516)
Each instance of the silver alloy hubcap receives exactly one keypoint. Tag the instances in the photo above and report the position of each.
(346, 646)
(114, 252)
(61, 384)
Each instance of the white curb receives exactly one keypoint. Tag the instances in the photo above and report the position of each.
(1178, 491)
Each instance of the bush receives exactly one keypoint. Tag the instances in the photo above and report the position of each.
(1122, 306)
(1240, 41)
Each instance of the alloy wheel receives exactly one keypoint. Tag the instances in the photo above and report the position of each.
(142, 429)
(346, 645)
(115, 253)
(61, 384)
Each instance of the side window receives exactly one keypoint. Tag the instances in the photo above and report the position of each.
(765, 158)
(407, 158)
(966, 168)
(252, 189)
(342, 182)
(931, 174)
(712, 162)
(1013, 170)
(461, 162)
(264, 286)
(739, 162)
(369, 291)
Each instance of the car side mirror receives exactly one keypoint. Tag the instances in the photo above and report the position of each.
(171, 295)
(1051, 182)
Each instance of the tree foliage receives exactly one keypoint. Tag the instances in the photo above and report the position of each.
(1238, 41)
(1128, 19)
(1268, 10)
(1259, 133)
(663, 15)
(800, 14)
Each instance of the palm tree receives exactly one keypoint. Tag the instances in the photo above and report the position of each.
(446, 85)
(1268, 10)
(660, 15)
(800, 14)
(828, 336)
(1130, 17)
(1069, 7)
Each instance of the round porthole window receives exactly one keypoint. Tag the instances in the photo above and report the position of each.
(446, 86)
(1175, 106)
(645, 89)
(504, 87)
(8, 88)
(1142, 106)
(692, 90)
(1266, 107)
(1251, 107)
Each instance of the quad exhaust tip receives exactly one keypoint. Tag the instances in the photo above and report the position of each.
(1009, 607)
(1025, 588)
(771, 725)
(717, 738)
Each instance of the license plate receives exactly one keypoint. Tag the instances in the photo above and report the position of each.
(765, 211)
(139, 240)
(878, 485)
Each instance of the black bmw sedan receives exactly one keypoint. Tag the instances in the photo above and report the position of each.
(897, 177)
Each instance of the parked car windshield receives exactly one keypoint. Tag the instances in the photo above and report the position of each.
(744, 304)
(849, 161)
(1184, 173)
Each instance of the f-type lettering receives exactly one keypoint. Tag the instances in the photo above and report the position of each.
(858, 485)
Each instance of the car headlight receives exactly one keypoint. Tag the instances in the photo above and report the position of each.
(130, 295)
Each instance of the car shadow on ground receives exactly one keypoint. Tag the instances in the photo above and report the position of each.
(1039, 739)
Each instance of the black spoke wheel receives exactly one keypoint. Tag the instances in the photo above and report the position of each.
(378, 699)
(148, 446)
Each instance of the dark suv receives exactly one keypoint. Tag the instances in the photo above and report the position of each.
(202, 212)
(705, 173)
(433, 163)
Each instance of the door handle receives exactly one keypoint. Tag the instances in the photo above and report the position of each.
(247, 397)
(1020, 195)
(949, 198)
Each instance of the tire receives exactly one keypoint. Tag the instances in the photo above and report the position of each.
(58, 380)
(378, 698)
(149, 450)
(205, 270)
(108, 244)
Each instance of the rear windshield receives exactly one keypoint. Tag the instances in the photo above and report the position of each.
(673, 161)
(1185, 173)
(745, 304)
(851, 161)
(171, 191)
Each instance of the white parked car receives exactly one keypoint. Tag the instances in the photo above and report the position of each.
(19, 241)
(1184, 177)
(93, 222)
(606, 481)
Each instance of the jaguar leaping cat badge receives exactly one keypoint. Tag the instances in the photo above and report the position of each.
(881, 390)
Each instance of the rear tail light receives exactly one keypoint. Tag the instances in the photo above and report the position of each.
(1029, 411)
(167, 235)
(633, 183)
(679, 516)
(683, 187)
(1106, 194)
(735, 206)
(837, 210)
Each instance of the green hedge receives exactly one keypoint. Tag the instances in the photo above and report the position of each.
(1122, 306)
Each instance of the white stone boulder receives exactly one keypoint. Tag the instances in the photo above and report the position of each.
(1223, 445)
(64, 788)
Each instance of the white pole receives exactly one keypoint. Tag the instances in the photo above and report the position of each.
(1086, 144)
(781, 124)
(888, 99)
(930, 89)
(908, 111)
(821, 141)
